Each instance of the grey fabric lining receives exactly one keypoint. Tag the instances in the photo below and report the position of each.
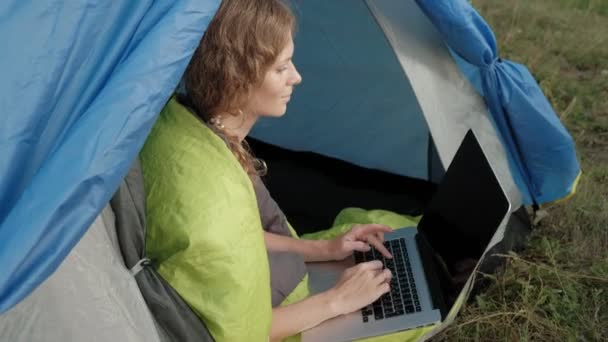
(287, 269)
(174, 318)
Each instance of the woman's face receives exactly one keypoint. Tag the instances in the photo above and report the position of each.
(271, 97)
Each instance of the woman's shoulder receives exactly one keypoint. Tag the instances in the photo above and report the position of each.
(185, 162)
(178, 133)
(179, 122)
(182, 151)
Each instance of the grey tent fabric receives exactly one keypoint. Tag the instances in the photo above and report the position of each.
(174, 318)
(91, 297)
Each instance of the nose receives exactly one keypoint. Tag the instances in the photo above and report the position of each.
(295, 78)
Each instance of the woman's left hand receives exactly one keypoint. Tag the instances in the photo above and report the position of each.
(359, 238)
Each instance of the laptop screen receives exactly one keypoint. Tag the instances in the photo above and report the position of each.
(466, 209)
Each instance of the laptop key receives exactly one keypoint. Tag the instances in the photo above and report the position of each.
(365, 319)
(387, 303)
(378, 311)
(393, 314)
(359, 257)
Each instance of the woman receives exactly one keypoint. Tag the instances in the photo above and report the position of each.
(241, 71)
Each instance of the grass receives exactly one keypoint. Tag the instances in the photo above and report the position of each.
(557, 289)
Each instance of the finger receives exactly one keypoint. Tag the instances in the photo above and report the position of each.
(359, 246)
(387, 275)
(372, 229)
(384, 288)
(379, 246)
(383, 276)
(371, 265)
(380, 237)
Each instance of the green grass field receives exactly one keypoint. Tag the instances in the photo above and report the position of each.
(557, 289)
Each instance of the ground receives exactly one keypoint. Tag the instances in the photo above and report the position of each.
(557, 288)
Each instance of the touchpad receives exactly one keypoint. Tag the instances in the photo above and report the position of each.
(322, 276)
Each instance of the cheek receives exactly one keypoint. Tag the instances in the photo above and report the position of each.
(274, 86)
(269, 97)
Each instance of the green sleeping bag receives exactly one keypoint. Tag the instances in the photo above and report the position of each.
(204, 228)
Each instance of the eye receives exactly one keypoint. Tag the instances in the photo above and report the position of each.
(282, 68)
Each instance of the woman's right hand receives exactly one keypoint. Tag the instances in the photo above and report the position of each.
(360, 286)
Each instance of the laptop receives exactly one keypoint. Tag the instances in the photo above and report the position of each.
(457, 226)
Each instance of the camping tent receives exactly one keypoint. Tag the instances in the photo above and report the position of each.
(389, 85)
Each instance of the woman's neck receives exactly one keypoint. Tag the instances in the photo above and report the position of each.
(239, 125)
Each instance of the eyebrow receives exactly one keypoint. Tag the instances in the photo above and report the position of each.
(286, 59)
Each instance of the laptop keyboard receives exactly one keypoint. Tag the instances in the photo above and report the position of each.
(403, 297)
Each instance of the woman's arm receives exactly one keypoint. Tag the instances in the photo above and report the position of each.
(292, 319)
(358, 286)
(310, 250)
(357, 239)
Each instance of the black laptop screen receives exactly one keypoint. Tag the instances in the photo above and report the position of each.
(467, 208)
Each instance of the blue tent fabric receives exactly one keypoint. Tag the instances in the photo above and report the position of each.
(82, 84)
(541, 152)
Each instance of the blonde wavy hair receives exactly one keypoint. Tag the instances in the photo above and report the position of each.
(241, 43)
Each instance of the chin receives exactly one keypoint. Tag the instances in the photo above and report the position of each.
(278, 113)
(275, 111)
